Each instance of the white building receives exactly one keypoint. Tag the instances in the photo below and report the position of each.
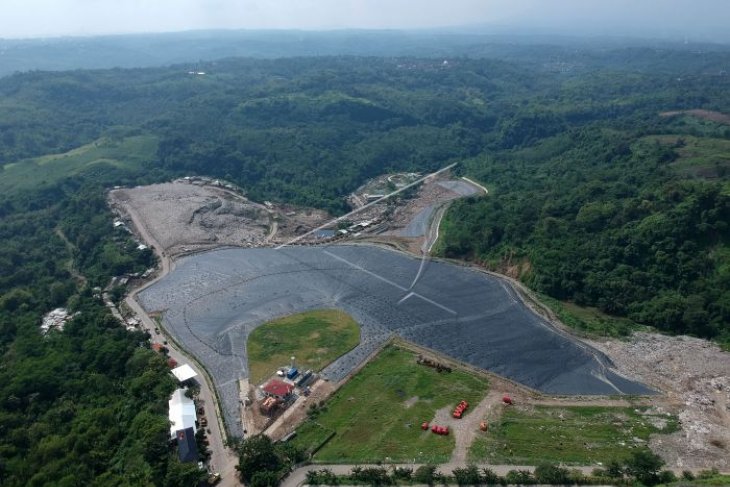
(182, 412)
(183, 373)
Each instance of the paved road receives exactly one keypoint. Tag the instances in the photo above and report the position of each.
(222, 460)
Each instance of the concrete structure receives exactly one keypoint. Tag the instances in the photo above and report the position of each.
(182, 412)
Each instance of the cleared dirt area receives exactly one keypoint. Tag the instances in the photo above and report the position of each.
(183, 217)
(710, 115)
(297, 413)
(189, 215)
(694, 375)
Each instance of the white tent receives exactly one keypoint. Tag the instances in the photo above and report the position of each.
(184, 372)
(182, 412)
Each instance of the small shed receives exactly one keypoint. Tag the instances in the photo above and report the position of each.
(184, 372)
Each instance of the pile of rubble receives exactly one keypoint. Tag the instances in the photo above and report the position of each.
(182, 216)
(694, 376)
(55, 320)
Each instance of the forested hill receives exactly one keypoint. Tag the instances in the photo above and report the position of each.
(597, 198)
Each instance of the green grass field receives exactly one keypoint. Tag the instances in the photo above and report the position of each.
(315, 338)
(575, 435)
(103, 154)
(377, 415)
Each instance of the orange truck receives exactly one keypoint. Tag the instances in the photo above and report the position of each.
(459, 411)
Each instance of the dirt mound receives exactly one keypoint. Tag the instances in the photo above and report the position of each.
(181, 216)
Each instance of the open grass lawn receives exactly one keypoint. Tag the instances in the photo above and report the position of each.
(377, 415)
(315, 338)
(102, 155)
(580, 435)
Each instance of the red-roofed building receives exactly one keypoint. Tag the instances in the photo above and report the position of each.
(278, 389)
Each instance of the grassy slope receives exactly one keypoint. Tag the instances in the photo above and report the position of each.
(575, 435)
(591, 321)
(315, 338)
(128, 153)
(373, 423)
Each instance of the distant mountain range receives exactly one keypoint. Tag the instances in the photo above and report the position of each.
(136, 51)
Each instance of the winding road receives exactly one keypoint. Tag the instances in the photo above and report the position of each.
(223, 460)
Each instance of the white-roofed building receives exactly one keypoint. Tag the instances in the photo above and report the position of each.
(184, 372)
(182, 412)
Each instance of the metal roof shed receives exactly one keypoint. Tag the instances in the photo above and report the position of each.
(184, 372)
(182, 412)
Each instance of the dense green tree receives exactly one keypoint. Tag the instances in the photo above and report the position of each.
(468, 475)
(184, 475)
(257, 454)
(551, 474)
(645, 466)
(425, 474)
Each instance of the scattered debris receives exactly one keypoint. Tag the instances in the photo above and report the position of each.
(694, 375)
(56, 319)
(421, 360)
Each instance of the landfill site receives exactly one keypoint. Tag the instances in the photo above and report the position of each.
(194, 214)
(215, 299)
(694, 377)
(232, 268)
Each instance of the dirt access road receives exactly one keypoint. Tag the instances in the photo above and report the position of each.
(222, 459)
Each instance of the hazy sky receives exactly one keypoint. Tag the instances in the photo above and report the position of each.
(38, 18)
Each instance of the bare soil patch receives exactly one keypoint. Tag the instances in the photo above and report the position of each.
(410, 402)
(297, 413)
(183, 217)
(710, 115)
